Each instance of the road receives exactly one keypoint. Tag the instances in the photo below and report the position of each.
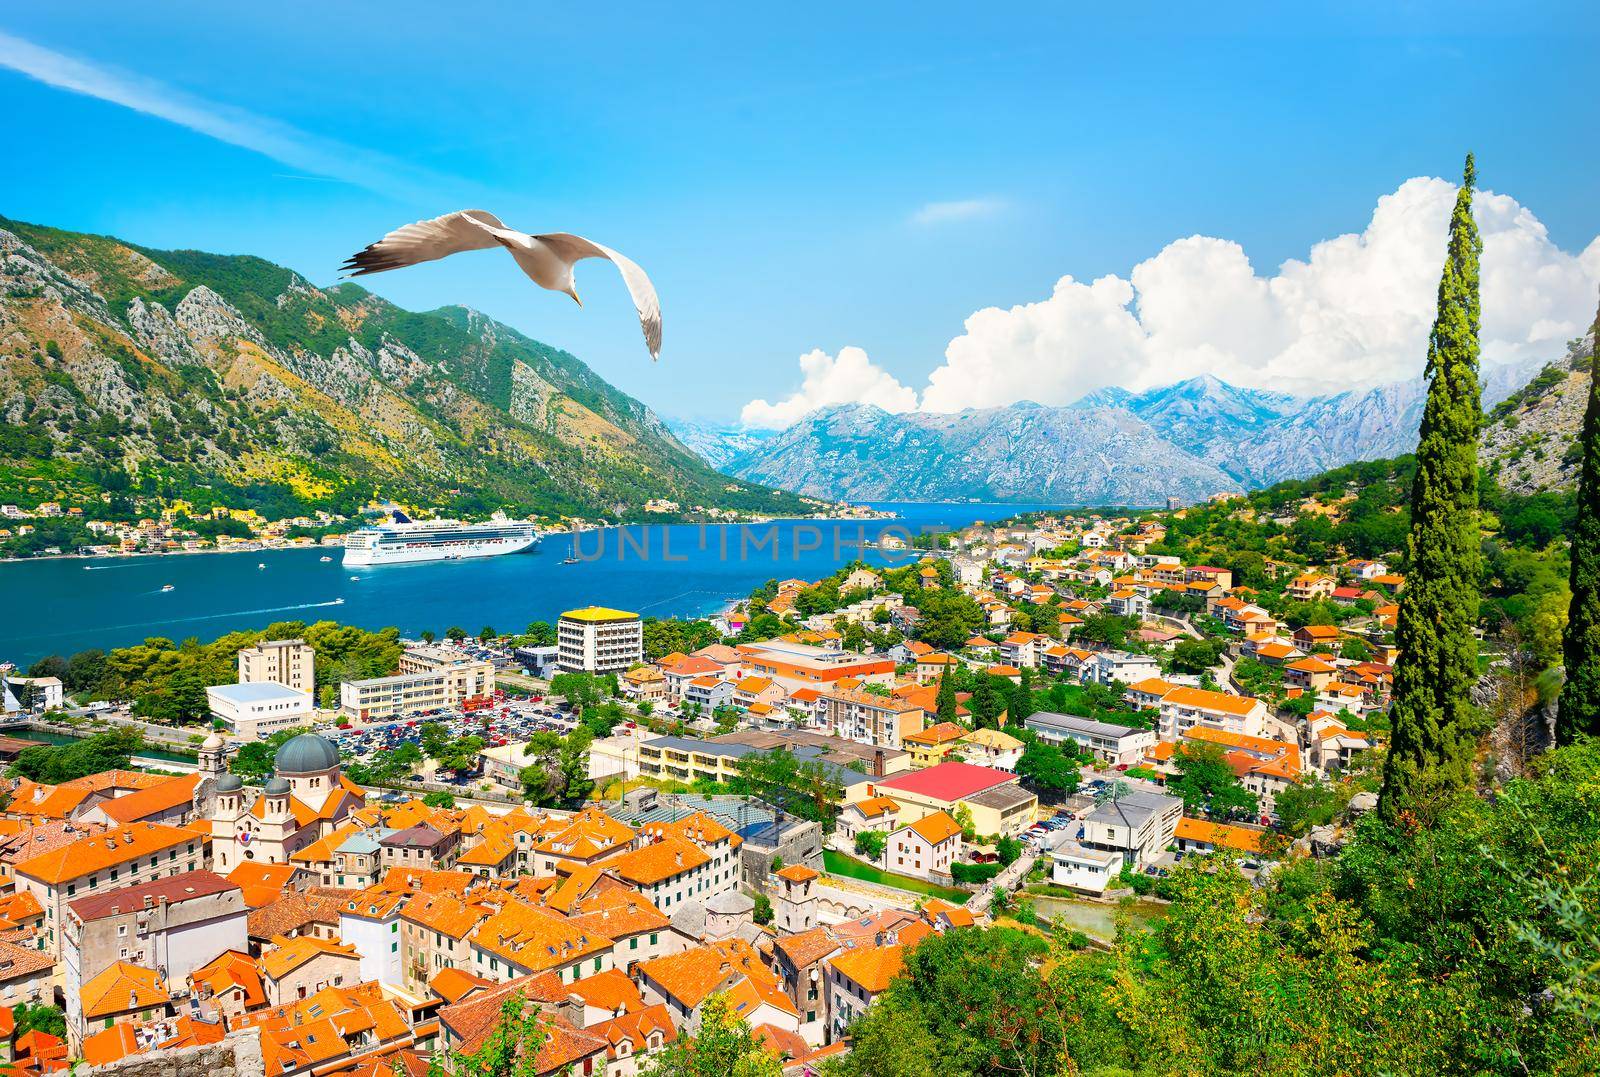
(1008, 879)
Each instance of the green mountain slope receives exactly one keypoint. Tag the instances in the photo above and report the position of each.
(149, 374)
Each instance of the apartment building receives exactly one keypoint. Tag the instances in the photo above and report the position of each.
(289, 662)
(137, 853)
(258, 709)
(377, 699)
(1114, 744)
(804, 665)
(866, 718)
(596, 639)
(175, 924)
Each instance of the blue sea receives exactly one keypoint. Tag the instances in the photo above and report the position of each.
(62, 605)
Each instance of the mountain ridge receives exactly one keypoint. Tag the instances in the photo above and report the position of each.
(134, 372)
(1201, 436)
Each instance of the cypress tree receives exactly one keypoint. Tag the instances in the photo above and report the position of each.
(1579, 710)
(945, 702)
(1433, 720)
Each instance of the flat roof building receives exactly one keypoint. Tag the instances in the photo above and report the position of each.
(256, 710)
(597, 639)
(289, 662)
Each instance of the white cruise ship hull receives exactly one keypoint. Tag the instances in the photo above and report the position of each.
(406, 541)
(408, 553)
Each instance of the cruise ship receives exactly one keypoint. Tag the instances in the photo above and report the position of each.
(404, 540)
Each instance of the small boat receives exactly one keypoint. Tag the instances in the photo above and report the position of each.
(167, 587)
(355, 577)
(325, 559)
(339, 601)
(570, 561)
(261, 564)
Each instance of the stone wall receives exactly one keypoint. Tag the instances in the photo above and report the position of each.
(238, 1055)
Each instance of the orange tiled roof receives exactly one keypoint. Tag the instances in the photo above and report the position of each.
(871, 966)
(282, 956)
(658, 861)
(228, 971)
(936, 828)
(153, 800)
(123, 986)
(113, 848)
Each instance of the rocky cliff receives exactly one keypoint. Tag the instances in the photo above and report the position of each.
(220, 379)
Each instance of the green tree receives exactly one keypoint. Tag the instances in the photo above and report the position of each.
(870, 843)
(1047, 768)
(39, 1017)
(724, 1046)
(539, 634)
(52, 764)
(582, 690)
(440, 799)
(512, 1046)
(455, 633)
(1309, 802)
(1208, 784)
(946, 706)
(1434, 723)
(1579, 712)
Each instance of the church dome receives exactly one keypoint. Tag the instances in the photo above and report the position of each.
(213, 742)
(277, 787)
(306, 754)
(229, 783)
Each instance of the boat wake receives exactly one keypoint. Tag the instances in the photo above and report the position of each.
(183, 620)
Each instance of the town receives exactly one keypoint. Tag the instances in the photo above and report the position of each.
(645, 825)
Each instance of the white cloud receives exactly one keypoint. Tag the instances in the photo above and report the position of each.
(323, 157)
(932, 213)
(852, 378)
(1357, 310)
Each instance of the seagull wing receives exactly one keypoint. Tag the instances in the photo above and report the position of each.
(570, 248)
(426, 241)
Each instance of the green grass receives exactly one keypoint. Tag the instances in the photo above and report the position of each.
(837, 863)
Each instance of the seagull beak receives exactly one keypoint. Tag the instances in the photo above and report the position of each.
(573, 292)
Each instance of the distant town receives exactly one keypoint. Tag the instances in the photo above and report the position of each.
(628, 820)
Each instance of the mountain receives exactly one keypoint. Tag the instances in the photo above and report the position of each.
(1100, 456)
(1261, 437)
(1530, 441)
(716, 444)
(231, 380)
(1188, 440)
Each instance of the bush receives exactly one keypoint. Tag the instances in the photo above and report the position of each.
(974, 873)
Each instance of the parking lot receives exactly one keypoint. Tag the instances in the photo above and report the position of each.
(506, 721)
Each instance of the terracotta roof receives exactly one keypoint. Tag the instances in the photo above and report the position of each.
(115, 847)
(171, 890)
(143, 803)
(796, 873)
(19, 961)
(693, 974)
(871, 966)
(121, 987)
(473, 1019)
(120, 1041)
(1203, 699)
(936, 828)
(444, 913)
(231, 970)
(282, 956)
(609, 990)
(455, 984)
(873, 807)
(935, 735)
(1242, 838)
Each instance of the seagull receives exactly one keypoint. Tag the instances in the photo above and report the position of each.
(547, 259)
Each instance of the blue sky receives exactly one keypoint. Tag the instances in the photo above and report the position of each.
(863, 175)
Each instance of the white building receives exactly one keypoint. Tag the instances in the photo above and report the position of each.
(1115, 744)
(1082, 868)
(599, 640)
(289, 662)
(255, 711)
(377, 699)
(32, 693)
